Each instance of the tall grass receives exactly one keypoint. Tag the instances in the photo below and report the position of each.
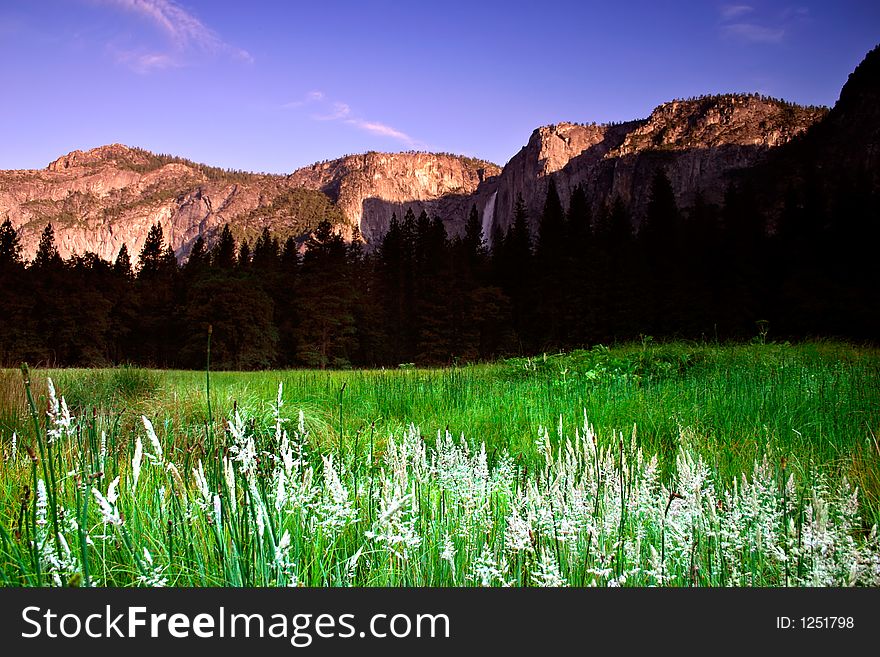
(743, 466)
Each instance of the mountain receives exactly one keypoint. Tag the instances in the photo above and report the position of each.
(786, 244)
(100, 199)
(368, 188)
(837, 153)
(698, 142)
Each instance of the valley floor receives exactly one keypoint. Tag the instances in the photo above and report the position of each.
(646, 464)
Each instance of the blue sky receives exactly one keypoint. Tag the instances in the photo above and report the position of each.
(271, 86)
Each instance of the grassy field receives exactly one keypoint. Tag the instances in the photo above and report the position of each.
(678, 464)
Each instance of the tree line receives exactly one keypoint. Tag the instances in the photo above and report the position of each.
(582, 276)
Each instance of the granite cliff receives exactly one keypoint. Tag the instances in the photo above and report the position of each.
(100, 199)
(368, 188)
(698, 142)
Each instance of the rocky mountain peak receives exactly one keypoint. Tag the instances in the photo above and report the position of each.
(720, 120)
(697, 141)
(102, 198)
(109, 154)
(371, 186)
(863, 84)
(554, 145)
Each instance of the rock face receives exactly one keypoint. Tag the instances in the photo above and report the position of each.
(368, 188)
(697, 142)
(843, 150)
(100, 199)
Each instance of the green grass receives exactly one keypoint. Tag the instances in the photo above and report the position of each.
(764, 412)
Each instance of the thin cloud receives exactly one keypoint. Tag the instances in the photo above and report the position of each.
(802, 13)
(755, 33)
(382, 130)
(742, 23)
(186, 35)
(729, 12)
(311, 97)
(330, 110)
(145, 62)
(339, 111)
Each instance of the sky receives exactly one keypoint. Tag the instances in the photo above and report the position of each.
(275, 85)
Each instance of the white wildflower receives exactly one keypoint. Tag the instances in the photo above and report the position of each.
(217, 511)
(282, 548)
(547, 573)
(518, 538)
(351, 565)
(243, 448)
(154, 439)
(136, 463)
(155, 575)
(109, 513)
(176, 478)
(103, 452)
(395, 526)
(337, 510)
(112, 493)
(61, 421)
(42, 503)
(448, 553)
(486, 570)
(229, 475)
(279, 421)
(256, 500)
(202, 484)
(280, 489)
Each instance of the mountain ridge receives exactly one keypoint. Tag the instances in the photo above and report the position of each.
(101, 198)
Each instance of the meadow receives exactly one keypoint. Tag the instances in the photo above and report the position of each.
(644, 464)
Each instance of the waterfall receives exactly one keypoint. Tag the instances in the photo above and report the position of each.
(488, 217)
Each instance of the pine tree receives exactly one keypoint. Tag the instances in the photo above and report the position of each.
(702, 257)
(660, 232)
(367, 345)
(168, 264)
(519, 235)
(290, 255)
(266, 252)
(579, 263)
(150, 259)
(579, 223)
(244, 256)
(122, 265)
(10, 246)
(16, 300)
(615, 293)
(125, 311)
(390, 264)
(551, 274)
(326, 333)
(156, 335)
(47, 254)
(660, 240)
(198, 257)
(550, 245)
(745, 274)
(474, 240)
(223, 253)
(286, 302)
(516, 274)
